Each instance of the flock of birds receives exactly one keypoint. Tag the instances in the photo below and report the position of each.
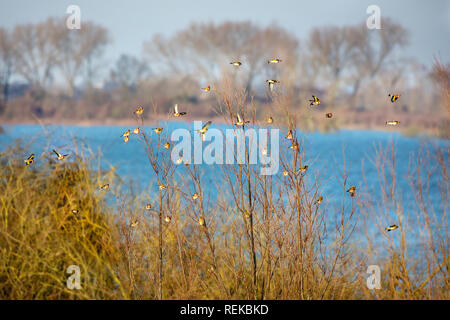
(315, 101)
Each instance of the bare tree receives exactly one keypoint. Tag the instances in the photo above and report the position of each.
(77, 49)
(129, 71)
(207, 50)
(6, 62)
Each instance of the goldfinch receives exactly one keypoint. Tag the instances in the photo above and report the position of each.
(239, 121)
(392, 123)
(207, 89)
(179, 160)
(158, 130)
(394, 97)
(271, 83)
(176, 113)
(60, 156)
(167, 219)
(136, 131)
(303, 169)
(269, 120)
(126, 133)
(289, 135)
(294, 146)
(329, 115)
(204, 129)
(195, 196)
(285, 173)
(139, 111)
(162, 186)
(167, 145)
(105, 187)
(148, 206)
(319, 200)
(201, 221)
(274, 61)
(126, 139)
(236, 63)
(315, 101)
(391, 228)
(29, 160)
(134, 223)
(352, 191)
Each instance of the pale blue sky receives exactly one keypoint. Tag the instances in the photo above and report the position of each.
(133, 21)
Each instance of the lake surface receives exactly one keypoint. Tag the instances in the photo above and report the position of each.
(323, 153)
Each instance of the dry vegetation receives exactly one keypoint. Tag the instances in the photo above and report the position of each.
(262, 237)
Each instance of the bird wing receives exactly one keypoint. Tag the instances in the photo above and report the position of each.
(176, 108)
(31, 157)
(239, 117)
(56, 152)
(207, 125)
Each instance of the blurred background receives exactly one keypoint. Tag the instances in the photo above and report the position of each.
(130, 53)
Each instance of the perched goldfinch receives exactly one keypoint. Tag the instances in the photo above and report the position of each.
(134, 223)
(274, 61)
(315, 101)
(136, 131)
(271, 83)
(105, 187)
(329, 115)
(264, 151)
(352, 191)
(285, 173)
(294, 146)
(207, 89)
(176, 113)
(60, 156)
(394, 97)
(126, 133)
(319, 200)
(392, 123)
(289, 135)
(29, 160)
(391, 228)
(179, 160)
(239, 121)
(158, 130)
(247, 214)
(162, 186)
(201, 221)
(139, 111)
(74, 211)
(236, 63)
(167, 219)
(148, 206)
(269, 120)
(195, 196)
(166, 145)
(303, 169)
(126, 139)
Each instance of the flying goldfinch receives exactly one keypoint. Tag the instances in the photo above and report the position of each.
(329, 115)
(201, 221)
(136, 131)
(289, 135)
(352, 191)
(158, 130)
(207, 89)
(319, 200)
(60, 156)
(105, 187)
(274, 61)
(126, 133)
(285, 173)
(239, 121)
(176, 113)
(195, 196)
(134, 223)
(271, 83)
(394, 97)
(236, 63)
(204, 129)
(126, 139)
(166, 145)
(167, 219)
(29, 160)
(392, 123)
(269, 120)
(162, 186)
(391, 228)
(315, 101)
(148, 206)
(139, 111)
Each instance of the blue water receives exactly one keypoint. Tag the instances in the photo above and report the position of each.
(324, 154)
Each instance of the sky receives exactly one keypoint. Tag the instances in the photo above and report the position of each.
(131, 22)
